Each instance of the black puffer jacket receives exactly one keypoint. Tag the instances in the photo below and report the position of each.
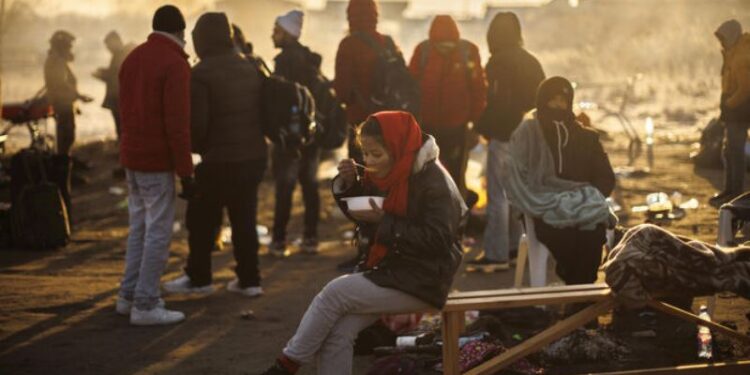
(424, 249)
(297, 64)
(225, 97)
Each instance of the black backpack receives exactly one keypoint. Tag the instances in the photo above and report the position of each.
(39, 216)
(393, 87)
(288, 114)
(330, 113)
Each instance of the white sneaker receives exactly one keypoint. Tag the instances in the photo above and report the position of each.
(251, 291)
(123, 306)
(156, 316)
(182, 285)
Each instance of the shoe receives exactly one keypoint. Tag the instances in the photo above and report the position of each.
(349, 265)
(487, 266)
(277, 369)
(251, 291)
(309, 246)
(721, 198)
(154, 317)
(123, 306)
(278, 249)
(182, 285)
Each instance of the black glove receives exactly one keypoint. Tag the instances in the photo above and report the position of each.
(188, 188)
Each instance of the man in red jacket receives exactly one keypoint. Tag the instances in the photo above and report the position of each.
(454, 92)
(154, 145)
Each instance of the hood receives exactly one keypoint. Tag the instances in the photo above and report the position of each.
(212, 35)
(427, 153)
(729, 32)
(444, 29)
(362, 15)
(504, 32)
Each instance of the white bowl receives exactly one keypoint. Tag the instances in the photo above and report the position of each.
(362, 203)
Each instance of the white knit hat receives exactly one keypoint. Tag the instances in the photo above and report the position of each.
(291, 22)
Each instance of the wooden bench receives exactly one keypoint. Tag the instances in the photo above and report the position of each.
(598, 294)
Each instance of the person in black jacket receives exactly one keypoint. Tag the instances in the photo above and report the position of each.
(513, 75)
(578, 156)
(298, 64)
(226, 131)
(412, 243)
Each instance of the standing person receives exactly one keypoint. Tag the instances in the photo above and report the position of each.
(735, 107)
(412, 244)
(355, 66)
(154, 146)
(559, 176)
(245, 48)
(298, 64)
(226, 132)
(513, 75)
(109, 76)
(62, 89)
(454, 92)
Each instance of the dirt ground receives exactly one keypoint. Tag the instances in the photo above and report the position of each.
(56, 307)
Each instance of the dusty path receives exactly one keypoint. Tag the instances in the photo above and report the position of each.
(56, 307)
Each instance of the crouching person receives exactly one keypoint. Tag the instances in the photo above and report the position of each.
(412, 243)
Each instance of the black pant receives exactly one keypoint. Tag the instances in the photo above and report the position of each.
(116, 117)
(287, 169)
(65, 128)
(454, 153)
(578, 253)
(234, 186)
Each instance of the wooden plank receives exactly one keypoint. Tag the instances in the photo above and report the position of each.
(523, 254)
(453, 324)
(504, 302)
(682, 314)
(523, 291)
(543, 338)
(716, 368)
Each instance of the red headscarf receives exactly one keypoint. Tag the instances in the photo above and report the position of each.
(362, 15)
(403, 139)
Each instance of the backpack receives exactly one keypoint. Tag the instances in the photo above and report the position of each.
(393, 87)
(330, 114)
(711, 142)
(288, 114)
(39, 216)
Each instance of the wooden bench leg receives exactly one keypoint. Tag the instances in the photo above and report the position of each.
(682, 314)
(453, 325)
(543, 338)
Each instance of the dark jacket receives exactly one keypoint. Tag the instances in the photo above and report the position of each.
(424, 249)
(155, 108)
(225, 97)
(513, 75)
(297, 63)
(110, 77)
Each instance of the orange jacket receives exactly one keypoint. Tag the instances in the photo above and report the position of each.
(355, 63)
(451, 77)
(735, 74)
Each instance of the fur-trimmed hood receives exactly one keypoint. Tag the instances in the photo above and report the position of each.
(427, 153)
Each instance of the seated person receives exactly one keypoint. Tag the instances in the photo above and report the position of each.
(412, 244)
(560, 176)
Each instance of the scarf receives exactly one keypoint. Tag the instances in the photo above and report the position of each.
(403, 139)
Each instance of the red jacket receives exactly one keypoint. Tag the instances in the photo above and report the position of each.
(451, 77)
(155, 108)
(355, 63)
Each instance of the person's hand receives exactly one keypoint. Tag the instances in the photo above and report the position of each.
(348, 172)
(375, 215)
(85, 98)
(188, 189)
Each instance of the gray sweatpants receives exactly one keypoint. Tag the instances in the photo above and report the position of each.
(151, 210)
(344, 307)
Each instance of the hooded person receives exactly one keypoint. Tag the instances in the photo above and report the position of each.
(226, 131)
(354, 71)
(454, 89)
(559, 177)
(513, 75)
(298, 64)
(735, 107)
(412, 243)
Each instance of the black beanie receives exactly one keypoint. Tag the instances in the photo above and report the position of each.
(168, 19)
(551, 87)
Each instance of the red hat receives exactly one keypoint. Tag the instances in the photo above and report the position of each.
(362, 15)
(444, 29)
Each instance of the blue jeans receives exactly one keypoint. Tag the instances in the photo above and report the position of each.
(735, 136)
(287, 171)
(151, 210)
(503, 231)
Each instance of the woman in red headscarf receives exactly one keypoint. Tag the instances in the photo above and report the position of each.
(411, 244)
